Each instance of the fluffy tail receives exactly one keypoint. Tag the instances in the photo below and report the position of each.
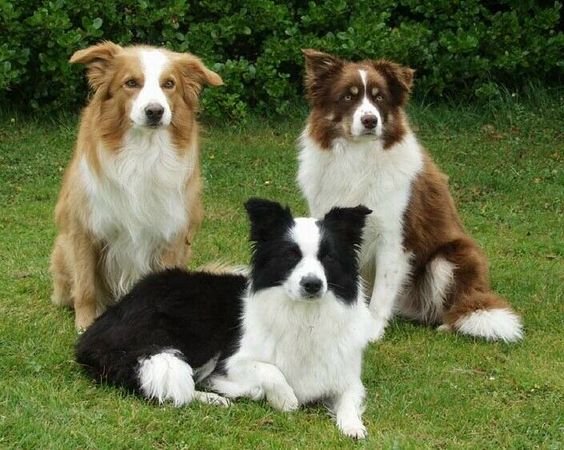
(156, 373)
(487, 316)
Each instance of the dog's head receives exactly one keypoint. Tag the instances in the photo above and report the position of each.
(142, 86)
(356, 100)
(305, 256)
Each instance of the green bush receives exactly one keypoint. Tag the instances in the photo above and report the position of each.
(462, 48)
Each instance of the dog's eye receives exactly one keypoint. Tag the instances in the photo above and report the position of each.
(347, 98)
(131, 83)
(379, 98)
(169, 84)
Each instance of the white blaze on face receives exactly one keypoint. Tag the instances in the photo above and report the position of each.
(153, 63)
(366, 108)
(307, 236)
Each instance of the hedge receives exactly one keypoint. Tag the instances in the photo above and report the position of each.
(461, 48)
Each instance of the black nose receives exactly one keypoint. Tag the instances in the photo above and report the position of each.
(311, 285)
(154, 112)
(369, 121)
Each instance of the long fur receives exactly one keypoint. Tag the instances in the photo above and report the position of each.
(130, 200)
(293, 331)
(416, 258)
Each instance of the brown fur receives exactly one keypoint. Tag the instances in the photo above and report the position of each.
(329, 80)
(75, 262)
(432, 228)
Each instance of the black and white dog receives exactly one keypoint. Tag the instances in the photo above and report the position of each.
(293, 331)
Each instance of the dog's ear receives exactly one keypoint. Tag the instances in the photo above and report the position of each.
(398, 77)
(196, 75)
(97, 60)
(268, 219)
(347, 223)
(318, 67)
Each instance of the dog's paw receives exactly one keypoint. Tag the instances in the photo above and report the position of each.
(444, 328)
(354, 429)
(282, 397)
(211, 398)
(378, 329)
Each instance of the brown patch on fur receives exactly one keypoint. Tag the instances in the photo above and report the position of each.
(433, 230)
(432, 227)
(75, 261)
(330, 81)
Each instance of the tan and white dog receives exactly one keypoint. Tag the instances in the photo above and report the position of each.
(358, 148)
(130, 201)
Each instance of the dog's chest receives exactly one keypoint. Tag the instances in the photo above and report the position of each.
(358, 173)
(138, 204)
(317, 347)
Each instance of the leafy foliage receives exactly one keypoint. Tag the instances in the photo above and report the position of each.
(464, 48)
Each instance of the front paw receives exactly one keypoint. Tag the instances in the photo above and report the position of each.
(378, 329)
(282, 397)
(354, 429)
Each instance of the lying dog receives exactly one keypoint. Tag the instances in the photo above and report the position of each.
(293, 331)
(130, 200)
(357, 147)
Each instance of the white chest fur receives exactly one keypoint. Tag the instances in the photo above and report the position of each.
(317, 346)
(137, 204)
(350, 174)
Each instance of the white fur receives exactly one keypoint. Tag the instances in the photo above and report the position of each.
(166, 376)
(353, 173)
(297, 352)
(365, 108)
(153, 63)
(136, 204)
(306, 234)
(492, 324)
(437, 283)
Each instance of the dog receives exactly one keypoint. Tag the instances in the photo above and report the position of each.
(357, 147)
(130, 200)
(293, 330)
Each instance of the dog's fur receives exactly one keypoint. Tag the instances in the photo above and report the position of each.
(293, 331)
(130, 199)
(357, 147)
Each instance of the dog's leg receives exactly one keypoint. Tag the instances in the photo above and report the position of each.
(347, 409)
(85, 282)
(60, 273)
(392, 269)
(250, 378)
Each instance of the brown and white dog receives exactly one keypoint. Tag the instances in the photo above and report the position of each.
(358, 148)
(130, 199)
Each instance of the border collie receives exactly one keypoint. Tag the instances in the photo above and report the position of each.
(416, 257)
(293, 331)
(130, 199)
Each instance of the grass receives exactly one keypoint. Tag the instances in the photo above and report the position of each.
(425, 390)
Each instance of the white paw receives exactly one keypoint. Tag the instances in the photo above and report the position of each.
(282, 397)
(355, 430)
(444, 328)
(378, 329)
(212, 399)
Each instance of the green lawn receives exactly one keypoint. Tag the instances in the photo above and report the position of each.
(425, 389)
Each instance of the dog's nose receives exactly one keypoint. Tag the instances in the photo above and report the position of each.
(311, 285)
(369, 121)
(154, 112)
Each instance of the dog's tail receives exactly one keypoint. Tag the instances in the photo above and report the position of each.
(484, 315)
(160, 374)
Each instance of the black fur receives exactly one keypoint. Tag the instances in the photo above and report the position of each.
(198, 314)
(194, 312)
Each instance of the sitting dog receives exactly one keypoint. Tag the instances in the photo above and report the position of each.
(293, 331)
(358, 148)
(130, 199)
